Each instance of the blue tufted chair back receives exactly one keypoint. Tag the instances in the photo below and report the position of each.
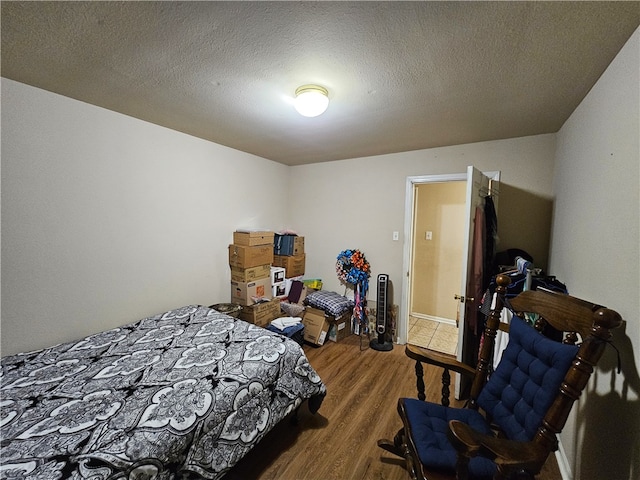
(526, 381)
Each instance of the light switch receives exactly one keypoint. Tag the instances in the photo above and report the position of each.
(428, 235)
(396, 235)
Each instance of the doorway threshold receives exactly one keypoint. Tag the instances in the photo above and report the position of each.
(437, 336)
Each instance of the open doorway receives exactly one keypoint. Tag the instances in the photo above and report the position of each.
(479, 186)
(437, 249)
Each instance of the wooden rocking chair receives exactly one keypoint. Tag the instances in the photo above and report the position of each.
(512, 417)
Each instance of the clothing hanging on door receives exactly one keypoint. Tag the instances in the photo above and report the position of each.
(485, 235)
(491, 240)
(474, 285)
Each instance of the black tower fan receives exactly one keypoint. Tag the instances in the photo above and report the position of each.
(382, 316)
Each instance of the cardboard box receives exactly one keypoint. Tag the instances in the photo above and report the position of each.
(277, 275)
(250, 274)
(252, 238)
(243, 293)
(340, 327)
(293, 264)
(288, 245)
(262, 313)
(316, 326)
(298, 245)
(242, 256)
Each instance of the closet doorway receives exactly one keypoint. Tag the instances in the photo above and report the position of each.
(477, 186)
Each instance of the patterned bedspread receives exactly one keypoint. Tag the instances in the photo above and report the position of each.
(182, 394)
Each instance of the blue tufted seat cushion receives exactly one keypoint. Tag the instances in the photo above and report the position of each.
(429, 426)
(526, 381)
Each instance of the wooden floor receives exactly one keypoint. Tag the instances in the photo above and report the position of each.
(339, 442)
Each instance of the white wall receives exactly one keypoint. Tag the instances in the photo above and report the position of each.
(106, 219)
(596, 249)
(359, 203)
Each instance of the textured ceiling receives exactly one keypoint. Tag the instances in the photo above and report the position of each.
(401, 75)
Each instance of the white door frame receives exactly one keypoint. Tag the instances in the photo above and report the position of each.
(409, 212)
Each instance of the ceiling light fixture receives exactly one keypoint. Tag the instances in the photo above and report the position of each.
(311, 100)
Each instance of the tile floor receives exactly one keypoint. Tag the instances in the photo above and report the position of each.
(433, 335)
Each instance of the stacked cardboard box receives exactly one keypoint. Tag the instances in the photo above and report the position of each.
(285, 244)
(261, 314)
(316, 326)
(250, 274)
(252, 237)
(288, 251)
(249, 293)
(243, 256)
(250, 259)
(263, 267)
(340, 327)
(319, 326)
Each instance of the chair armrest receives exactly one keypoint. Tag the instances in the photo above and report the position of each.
(509, 454)
(439, 359)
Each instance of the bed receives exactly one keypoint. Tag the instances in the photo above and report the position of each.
(182, 394)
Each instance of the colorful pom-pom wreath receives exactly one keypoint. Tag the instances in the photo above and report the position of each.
(352, 267)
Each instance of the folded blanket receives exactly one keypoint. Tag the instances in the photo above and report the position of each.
(331, 302)
(290, 331)
(284, 322)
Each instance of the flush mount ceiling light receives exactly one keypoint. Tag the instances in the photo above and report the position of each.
(311, 100)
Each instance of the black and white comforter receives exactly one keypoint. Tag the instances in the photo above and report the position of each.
(182, 394)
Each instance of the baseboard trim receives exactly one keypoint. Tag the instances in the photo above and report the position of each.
(563, 463)
(433, 318)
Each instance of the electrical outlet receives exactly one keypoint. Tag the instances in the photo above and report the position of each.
(428, 235)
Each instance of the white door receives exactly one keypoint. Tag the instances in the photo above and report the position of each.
(478, 187)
